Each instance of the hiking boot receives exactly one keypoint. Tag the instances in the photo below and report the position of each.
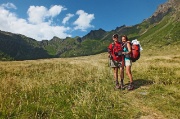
(117, 85)
(130, 86)
(122, 86)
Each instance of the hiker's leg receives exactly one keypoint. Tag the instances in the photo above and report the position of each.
(128, 71)
(116, 78)
(122, 74)
(115, 73)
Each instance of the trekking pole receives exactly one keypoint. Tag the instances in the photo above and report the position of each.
(110, 71)
(109, 65)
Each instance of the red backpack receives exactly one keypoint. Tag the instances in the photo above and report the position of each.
(116, 51)
(135, 51)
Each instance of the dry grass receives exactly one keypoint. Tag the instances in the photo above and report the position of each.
(83, 87)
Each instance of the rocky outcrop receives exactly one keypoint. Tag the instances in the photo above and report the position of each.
(164, 9)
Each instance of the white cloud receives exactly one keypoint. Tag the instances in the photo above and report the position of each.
(35, 27)
(83, 21)
(66, 19)
(40, 22)
(9, 6)
(38, 14)
(55, 10)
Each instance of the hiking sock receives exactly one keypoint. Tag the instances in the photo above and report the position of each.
(117, 82)
(122, 82)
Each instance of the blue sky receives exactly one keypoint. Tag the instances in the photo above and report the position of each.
(43, 19)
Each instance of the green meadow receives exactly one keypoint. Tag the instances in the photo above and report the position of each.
(83, 88)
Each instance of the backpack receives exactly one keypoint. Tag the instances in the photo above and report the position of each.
(135, 51)
(115, 51)
(118, 52)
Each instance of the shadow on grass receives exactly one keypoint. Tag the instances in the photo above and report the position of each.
(140, 82)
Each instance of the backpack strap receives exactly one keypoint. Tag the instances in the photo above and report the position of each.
(109, 51)
(124, 45)
(113, 45)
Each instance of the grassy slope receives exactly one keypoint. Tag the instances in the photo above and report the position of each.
(162, 37)
(83, 88)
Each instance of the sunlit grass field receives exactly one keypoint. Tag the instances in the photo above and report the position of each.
(83, 88)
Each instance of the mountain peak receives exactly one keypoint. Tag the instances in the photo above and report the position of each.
(95, 34)
(164, 8)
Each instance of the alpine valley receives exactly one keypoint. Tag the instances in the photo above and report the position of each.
(159, 31)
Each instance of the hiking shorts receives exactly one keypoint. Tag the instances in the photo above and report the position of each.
(128, 63)
(114, 64)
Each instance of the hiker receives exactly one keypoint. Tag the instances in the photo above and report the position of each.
(116, 60)
(127, 60)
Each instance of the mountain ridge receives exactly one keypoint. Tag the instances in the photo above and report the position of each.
(164, 21)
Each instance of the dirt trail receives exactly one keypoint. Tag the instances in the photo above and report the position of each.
(150, 113)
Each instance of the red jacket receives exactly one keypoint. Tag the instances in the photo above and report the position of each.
(113, 49)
